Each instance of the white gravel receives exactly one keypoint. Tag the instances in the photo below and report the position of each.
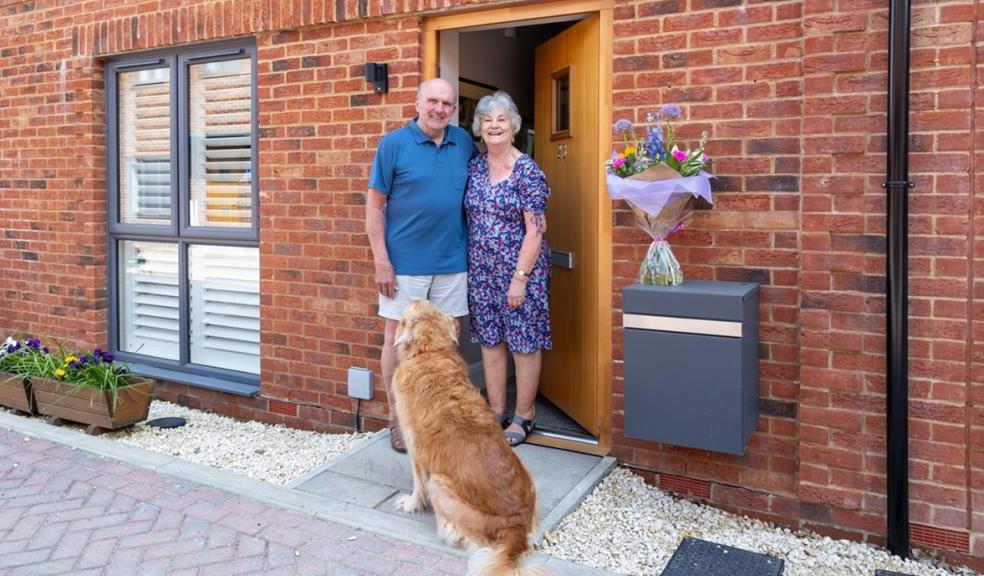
(630, 527)
(276, 454)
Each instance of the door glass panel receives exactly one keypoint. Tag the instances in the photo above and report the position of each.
(149, 300)
(224, 300)
(145, 146)
(220, 107)
(562, 101)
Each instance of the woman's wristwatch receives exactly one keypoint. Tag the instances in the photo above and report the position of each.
(521, 274)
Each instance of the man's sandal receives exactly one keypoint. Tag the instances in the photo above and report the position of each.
(515, 438)
(396, 439)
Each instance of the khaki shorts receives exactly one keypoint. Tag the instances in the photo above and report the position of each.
(448, 291)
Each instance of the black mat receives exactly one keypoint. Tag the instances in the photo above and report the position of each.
(887, 573)
(548, 416)
(702, 558)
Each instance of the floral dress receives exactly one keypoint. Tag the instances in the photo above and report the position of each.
(495, 233)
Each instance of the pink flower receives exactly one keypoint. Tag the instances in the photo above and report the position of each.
(618, 162)
(679, 155)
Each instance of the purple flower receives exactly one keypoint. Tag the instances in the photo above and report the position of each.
(654, 142)
(704, 158)
(74, 365)
(679, 155)
(671, 111)
(623, 127)
(618, 162)
(107, 357)
(33, 343)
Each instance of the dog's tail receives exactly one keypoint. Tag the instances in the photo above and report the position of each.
(502, 562)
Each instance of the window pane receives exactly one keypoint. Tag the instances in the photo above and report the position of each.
(225, 307)
(221, 129)
(562, 101)
(145, 146)
(148, 288)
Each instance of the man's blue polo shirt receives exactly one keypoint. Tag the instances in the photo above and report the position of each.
(424, 185)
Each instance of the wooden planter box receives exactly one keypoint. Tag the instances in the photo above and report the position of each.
(15, 392)
(91, 406)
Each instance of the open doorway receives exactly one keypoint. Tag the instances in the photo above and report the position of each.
(525, 59)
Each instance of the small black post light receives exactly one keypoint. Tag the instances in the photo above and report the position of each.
(377, 74)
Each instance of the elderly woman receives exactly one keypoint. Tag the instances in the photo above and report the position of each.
(508, 262)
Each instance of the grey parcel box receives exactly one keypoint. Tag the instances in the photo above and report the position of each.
(691, 364)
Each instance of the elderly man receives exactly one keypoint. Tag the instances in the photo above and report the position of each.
(416, 222)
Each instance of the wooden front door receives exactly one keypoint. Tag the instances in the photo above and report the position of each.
(566, 148)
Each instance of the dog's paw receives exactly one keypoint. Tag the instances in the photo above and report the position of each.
(408, 503)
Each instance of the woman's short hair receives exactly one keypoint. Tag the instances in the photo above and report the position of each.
(497, 101)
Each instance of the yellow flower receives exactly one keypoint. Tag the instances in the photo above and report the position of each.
(630, 150)
(69, 359)
(59, 372)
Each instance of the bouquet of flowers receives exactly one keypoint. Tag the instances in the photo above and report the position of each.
(659, 181)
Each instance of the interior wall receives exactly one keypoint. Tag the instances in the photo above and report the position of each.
(494, 58)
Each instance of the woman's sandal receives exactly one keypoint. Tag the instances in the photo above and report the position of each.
(503, 420)
(515, 438)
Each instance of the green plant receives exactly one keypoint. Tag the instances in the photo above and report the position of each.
(28, 358)
(95, 369)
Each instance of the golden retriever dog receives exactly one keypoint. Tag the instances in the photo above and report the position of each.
(462, 466)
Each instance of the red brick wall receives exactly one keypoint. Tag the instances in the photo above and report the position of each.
(793, 96)
(843, 263)
(736, 72)
(975, 396)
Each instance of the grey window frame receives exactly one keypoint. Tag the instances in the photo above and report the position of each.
(179, 231)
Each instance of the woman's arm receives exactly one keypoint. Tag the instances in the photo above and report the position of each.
(529, 252)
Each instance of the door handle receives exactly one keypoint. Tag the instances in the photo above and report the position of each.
(562, 259)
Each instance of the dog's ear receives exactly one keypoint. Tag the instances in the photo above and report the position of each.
(404, 333)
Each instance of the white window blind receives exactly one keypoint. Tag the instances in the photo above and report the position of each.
(221, 126)
(149, 296)
(225, 307)
(145, 147)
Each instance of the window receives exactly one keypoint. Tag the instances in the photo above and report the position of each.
(183, 225)
(561, 103)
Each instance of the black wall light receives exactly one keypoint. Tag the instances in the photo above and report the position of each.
(378, 75)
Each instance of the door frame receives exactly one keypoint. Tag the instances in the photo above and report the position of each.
(432, 27)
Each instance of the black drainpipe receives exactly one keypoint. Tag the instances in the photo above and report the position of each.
(897, 185)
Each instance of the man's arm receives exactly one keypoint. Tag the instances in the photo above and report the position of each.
(385, 276)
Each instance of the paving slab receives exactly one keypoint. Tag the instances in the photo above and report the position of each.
(372, 474)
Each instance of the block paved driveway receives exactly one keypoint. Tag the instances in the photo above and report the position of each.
(66, 511)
